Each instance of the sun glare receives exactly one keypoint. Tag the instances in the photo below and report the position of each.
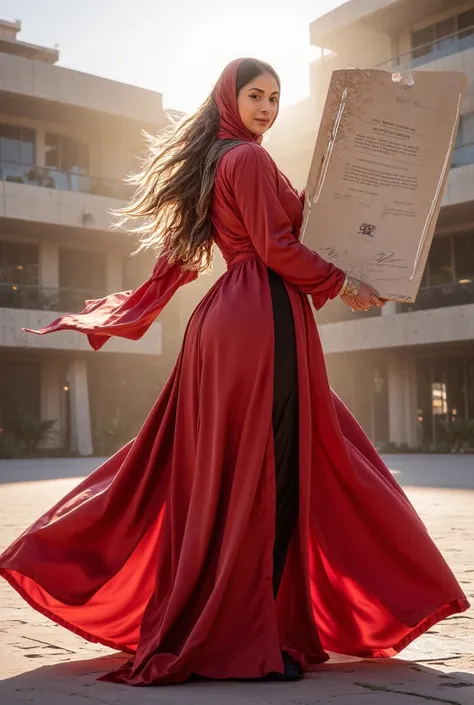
(279, 37)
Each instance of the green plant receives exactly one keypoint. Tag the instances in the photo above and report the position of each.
(115, 434)
(30, 431)
(460, 434)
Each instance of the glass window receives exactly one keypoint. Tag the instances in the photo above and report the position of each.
(66, 154)
(10, 139)
(18, 263)
(440, 263)
(52, 157)
(420, 38)
(27, 146)
(464, 257)
(459, 136)
(17, 144)
(466, 24)
(19, 391)
(439, 398)
(467, 128)
(445, 32)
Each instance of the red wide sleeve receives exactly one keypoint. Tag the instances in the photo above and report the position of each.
(127, 314)
(254, 180)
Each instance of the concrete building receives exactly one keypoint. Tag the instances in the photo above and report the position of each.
(67, 140)
(406, 372)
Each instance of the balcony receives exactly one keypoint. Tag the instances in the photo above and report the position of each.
(50, 178)
(65, 200)
(26, 296)
(69, 97)
(441, 296)
(439, 49)
(458, 46)
(27, 306)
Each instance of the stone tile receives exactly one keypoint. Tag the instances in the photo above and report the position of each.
(46, 665)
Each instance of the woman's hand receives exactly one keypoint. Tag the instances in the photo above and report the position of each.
(360, 296)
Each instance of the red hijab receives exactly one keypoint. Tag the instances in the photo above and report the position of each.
(225, 95)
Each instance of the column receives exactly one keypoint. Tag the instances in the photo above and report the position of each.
(49, 264)
(51, 390)
(40, 147)
(81, 434)
(402, 400)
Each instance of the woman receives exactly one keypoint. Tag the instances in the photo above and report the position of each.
(251, 526)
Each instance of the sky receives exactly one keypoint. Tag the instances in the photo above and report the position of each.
(177, 47)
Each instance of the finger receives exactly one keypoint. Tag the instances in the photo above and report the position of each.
(357, 305)
(373, 291)
(376, 301)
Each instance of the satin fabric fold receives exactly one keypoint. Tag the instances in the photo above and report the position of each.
(166, 551)
(127, 314)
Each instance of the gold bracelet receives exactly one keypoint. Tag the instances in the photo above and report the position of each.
(352, 287)
(344, 285)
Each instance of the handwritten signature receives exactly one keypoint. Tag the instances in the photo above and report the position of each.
(333, 252)
(388, 258)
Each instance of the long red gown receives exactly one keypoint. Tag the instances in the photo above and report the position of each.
(165, 551)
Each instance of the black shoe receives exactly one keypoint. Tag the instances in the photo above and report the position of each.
(292, 670)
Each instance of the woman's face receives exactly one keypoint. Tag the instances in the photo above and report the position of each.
(258, 103)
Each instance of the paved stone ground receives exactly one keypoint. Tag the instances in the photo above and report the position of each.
(46, 665)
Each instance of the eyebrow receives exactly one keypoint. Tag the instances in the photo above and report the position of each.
(259, 90)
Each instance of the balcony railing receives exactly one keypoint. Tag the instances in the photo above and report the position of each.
(463, 155)
(441, 296)
(431, 51)
(34, 297)
(63, 180)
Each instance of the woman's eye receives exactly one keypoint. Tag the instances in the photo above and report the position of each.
(274, 100)
(255, 96)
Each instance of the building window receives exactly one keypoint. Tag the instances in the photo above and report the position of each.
(464, 147)
(451, 260)
(17, 153)
(422, 41)
(441, 270)
(19, 392)
(448, 279)
(445, 390)
(464, 258)
(82, 275)
(66, 154)
(445, 32)
(439, 398)
(443, 38)
(18, 263)
(18, 274)
(69, 159)
(466, 24)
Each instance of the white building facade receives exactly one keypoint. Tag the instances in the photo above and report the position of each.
(67, 140)
(407, 372)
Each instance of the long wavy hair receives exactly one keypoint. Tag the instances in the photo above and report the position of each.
(174, 188)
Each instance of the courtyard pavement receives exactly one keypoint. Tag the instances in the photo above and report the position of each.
(46, 665)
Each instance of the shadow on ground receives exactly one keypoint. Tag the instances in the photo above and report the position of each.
(376, 682)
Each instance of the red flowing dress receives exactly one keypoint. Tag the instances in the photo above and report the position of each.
(166, 551)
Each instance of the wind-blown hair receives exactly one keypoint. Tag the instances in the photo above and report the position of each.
(174, 188)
